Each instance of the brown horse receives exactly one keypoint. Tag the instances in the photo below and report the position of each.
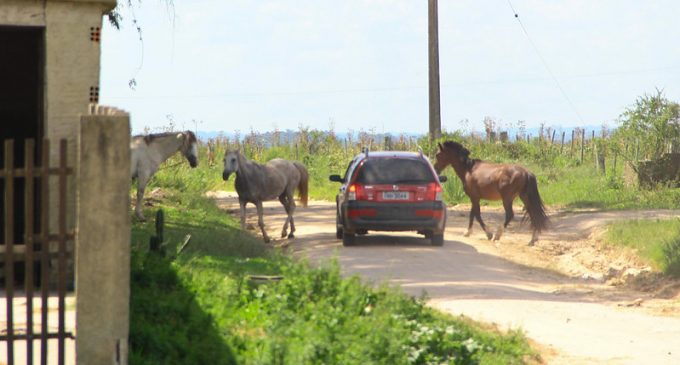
(491, 181)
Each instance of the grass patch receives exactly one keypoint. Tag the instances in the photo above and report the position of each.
(563, 181)
(655, 241)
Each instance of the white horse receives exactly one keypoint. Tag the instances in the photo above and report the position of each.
(256, 183)
(148, 152)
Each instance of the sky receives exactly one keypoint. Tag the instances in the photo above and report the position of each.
(362, 65)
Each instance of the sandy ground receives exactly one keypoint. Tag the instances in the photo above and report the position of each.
(582, 303)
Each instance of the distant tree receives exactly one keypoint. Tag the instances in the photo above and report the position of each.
(650, 125)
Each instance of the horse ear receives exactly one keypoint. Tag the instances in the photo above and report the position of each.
(441, 148)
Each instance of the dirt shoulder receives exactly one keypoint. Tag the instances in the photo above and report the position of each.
(568, 293)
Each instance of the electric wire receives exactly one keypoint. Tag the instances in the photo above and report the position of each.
(545, 63)
(395, 88)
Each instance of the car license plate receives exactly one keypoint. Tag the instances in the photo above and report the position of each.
(395, 195)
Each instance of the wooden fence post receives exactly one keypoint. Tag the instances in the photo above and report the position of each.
(583, 141)
(599, 158)
(614, 167)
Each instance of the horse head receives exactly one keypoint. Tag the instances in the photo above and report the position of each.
(231, 163)
(189, 147)
(450, 153)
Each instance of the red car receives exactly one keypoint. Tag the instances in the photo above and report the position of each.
(390, 191)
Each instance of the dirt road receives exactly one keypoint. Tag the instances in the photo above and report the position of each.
(559, 292)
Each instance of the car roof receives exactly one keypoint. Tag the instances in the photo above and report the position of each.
(395, 154)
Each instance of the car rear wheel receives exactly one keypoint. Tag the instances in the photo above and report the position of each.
(338, 228)
(437, 239)
(348, 239)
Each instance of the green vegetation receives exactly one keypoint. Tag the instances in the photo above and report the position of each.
(656, 241)
(200, 306)
(652, 123)
(565, 181)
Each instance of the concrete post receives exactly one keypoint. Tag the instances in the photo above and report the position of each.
(103, 238)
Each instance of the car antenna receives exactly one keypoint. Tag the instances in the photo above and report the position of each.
(420, 150)
(365, 151)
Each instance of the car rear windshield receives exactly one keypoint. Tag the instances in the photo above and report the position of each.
(377, 171)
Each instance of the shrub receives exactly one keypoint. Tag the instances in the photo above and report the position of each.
(651, 123)
(671, 256)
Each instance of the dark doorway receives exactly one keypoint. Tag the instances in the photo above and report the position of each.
(21, 108)
(21, 86)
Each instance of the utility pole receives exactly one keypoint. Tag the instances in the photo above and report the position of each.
(433, 56)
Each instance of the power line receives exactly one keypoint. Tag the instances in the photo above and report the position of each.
(545, 64)
(396, 88)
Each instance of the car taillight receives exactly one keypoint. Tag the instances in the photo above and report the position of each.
(358, 192)
(352, 192)
(434, 191)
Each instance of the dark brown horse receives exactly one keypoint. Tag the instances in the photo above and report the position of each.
(491, 181)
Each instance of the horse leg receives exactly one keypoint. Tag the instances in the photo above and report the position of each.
(534, 238)
(291, 210)
(142, 180)
(242, 205)
(284, 202)
(260, 221)
(534, 235)
(509, 214)
(472, 220)
(478, 214)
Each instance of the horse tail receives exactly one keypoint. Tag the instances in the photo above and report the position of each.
(533, 205)
(303, 187)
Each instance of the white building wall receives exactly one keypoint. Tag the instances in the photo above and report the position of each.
(71, 67)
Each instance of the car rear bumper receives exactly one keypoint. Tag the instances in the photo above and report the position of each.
(422, 216)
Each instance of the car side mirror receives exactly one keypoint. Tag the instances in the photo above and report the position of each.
(336, 178)
(443, 178)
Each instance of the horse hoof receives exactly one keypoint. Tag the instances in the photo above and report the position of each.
(283, 234)
(466, 234)
(267, 240)
(291, 235)
(496, 238)
(531, 243)
(489, 236)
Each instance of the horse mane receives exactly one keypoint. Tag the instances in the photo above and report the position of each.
(463, 152)
(191, 136)
(149, 138)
